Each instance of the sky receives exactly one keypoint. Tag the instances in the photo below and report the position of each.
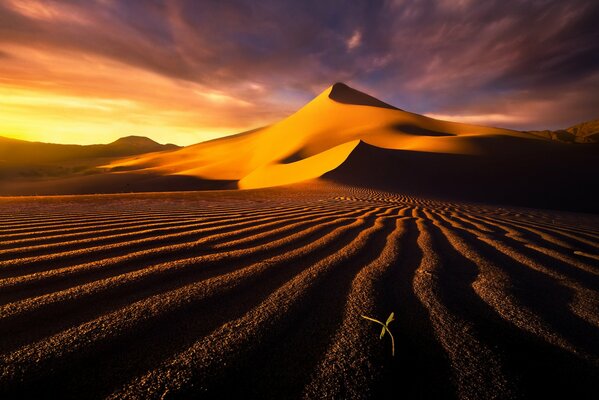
(184, 71)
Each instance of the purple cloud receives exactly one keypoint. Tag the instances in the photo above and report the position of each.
(535, 63)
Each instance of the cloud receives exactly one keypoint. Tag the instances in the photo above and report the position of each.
(355, 40)
(479, 119)
(255, 62)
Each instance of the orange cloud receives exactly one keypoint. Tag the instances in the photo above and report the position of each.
(63, 97)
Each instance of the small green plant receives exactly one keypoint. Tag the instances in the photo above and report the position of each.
(385, 329)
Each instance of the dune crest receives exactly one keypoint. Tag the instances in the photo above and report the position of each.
(342, 93)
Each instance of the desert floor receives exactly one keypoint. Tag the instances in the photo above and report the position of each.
(259, 294)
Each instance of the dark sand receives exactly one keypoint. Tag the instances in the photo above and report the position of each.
(258, 294)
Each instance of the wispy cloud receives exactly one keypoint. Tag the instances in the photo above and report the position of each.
(195, 69)
(355, 40)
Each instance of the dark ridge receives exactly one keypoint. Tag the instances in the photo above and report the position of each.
(16, 151)
(124, 182)
(297, 156)
(585, 132)
(137, 140)
(342, 93)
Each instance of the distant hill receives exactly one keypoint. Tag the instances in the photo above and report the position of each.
(35, 160)
(585, 132)
(20, 151)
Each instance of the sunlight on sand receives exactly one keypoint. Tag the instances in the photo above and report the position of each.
(316, 139)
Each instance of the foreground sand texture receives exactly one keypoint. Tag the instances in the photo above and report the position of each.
(258, 294)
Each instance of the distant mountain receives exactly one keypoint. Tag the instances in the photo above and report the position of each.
(138, 145)
(585, 132)
(26, 163)
(21, 151)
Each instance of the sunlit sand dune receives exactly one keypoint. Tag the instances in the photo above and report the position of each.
(399, 151)
(342, 135)
(340, 115)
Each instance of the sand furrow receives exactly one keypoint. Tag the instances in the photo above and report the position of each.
(576, 269)
(476, 367)
(62, 278)
(258, 294)
(70, 223)
(348, 370)
(128, 319)
(556, 232)
(28, 265)
(37, 250)
(197, 368)
(307, 336)
(82, 233)
(547, 239)
(138, 282)
(579, 300)
(496, 286)
(116, 219)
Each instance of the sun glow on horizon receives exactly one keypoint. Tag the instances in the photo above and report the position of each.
(45, 117)
(89, 99)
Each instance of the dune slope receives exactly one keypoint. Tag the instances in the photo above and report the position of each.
(399, 151)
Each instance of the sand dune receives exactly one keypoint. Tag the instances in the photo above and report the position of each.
(352, 138)
(257, 293)
(400, 151)
(509, 171)
(338, 116)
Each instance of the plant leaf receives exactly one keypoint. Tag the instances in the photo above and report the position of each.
(390, 319)
(373, 320)
(383, 332)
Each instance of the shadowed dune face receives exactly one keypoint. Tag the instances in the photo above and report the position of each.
(519, 172)
(217, 294)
